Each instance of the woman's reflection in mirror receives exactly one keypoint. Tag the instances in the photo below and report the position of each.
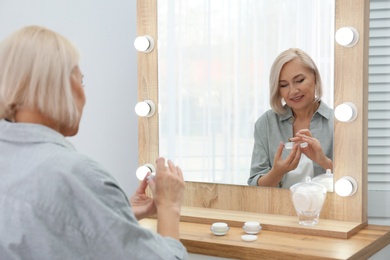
(297, 116)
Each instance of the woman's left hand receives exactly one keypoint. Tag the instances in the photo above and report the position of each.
(313, 150)
(142, 205)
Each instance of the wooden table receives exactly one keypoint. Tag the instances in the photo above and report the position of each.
(198, 239)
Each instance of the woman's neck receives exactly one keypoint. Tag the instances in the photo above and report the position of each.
(306, 114)
(34, 117)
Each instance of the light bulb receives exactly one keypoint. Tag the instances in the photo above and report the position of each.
(347, 36)
(144, 169)
(346, 186)
(145, 108)
(144, 43)
(346, 112)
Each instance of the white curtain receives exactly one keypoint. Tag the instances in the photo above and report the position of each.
(214, 64)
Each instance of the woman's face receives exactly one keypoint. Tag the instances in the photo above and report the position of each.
(297, 85)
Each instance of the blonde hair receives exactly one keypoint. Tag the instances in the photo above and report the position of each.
(280, 61)
(35, 69)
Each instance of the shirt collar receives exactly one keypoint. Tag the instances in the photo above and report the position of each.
(31, 133)
(323, 110)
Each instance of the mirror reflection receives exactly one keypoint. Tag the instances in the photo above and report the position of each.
(294, 139)
(214, 63)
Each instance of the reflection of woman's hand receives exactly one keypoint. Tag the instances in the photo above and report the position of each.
(142, 205)
(281, 167)
(313, 150)
(288, 164)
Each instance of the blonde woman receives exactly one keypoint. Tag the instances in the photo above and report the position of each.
(298, 117)
(56, 203)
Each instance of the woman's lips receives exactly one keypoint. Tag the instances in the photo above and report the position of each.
(295, 99)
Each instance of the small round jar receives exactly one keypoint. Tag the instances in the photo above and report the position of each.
(289, 145)
(219, 228)
(325, 179)
(252, 227)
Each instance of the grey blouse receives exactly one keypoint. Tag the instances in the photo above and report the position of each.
(271, 129)
(56, 203)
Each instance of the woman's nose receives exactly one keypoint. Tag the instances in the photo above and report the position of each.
(294, 88)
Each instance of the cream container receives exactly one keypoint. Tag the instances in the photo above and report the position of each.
(219, 228)
(252, 227)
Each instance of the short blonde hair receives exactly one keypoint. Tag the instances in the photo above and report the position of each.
(35, 70)
(283, 58)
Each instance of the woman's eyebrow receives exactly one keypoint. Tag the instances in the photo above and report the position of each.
(283, 80)
(298, 76)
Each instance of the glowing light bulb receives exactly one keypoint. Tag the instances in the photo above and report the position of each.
(145, 108)
(346, 112)
(144, 43)
(347, 36)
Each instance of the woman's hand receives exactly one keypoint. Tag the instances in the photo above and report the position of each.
(313, 150)
(142, 205)
(168, 189)
(281, 167)
(290, 163)
(168, 185)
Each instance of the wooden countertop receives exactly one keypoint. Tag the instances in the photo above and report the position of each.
(271, 222)
(197, 238)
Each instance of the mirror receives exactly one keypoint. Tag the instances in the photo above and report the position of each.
(350, 81)
(214, 61)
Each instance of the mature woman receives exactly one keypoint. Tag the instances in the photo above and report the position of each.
(56, 203)
(298, 117)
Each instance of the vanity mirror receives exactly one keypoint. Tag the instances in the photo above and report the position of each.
(350, 138)
(214, 61)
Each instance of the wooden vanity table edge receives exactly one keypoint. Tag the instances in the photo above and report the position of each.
(198, 239)
(271, 222)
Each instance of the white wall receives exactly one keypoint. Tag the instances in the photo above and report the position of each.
(104, 32)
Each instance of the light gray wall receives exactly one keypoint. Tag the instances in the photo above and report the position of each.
(104, 32)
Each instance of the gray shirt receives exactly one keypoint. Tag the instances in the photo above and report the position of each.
(271, 129)
(56, 203)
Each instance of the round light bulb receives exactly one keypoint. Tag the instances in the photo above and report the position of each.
(346, 112)
(144, 43)
(347, 36)
(145, 108)
(144, 169)
(345, 186)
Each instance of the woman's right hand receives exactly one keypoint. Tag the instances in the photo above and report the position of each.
(290, 163)
(281, 167)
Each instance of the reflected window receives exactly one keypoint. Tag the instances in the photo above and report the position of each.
(214, 63)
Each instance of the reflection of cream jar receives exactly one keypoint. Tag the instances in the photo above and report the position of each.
(325, 179)
(290, 145)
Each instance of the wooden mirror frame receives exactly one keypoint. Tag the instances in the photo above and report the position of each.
(350, 139)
